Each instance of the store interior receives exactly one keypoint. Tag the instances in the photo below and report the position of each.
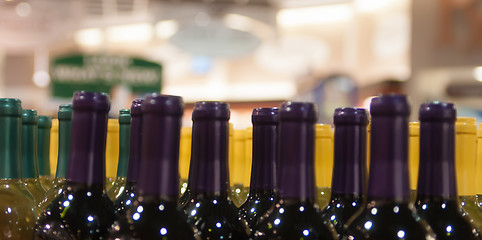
(250, 53)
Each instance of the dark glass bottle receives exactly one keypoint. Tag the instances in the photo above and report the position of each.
(389, 214)
(154, 213)
(65, 128)
(124, 148)
(17, 217)
(193, 171)
(295, 215)
(30, 173)
(44, 126)
(348, 193)
(265, 160)
(128, 194)
(209, 208)
(437, 200)
(82, 210)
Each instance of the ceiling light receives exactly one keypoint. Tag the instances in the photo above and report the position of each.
(130, 33)
(165, 29)
(478, 73)
(314, 15)
(89, 37)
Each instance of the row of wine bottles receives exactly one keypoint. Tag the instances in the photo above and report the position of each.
(368, 199)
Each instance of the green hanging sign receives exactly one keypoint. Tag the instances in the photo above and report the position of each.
(101, 73)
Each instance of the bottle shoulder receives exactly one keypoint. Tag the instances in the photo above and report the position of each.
(216, 218)
(388, 220)
(151, 218)
(117, 187)
(18, 214)
(255, 206)
(447, 218)
(294, 220)
(262, 201)
(125, 198)
(341, 208)
(78, 210)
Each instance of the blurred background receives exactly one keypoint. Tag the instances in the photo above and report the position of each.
(250, 53)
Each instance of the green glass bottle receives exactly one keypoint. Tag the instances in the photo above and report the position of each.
(30, 173)
(124, 149)
(65, 127)
(17, 217)
(44, 126)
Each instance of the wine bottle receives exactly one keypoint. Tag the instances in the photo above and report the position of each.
(265, 160)
(193, 171)
(323, 163)
(369, 130)
(209, 208)
(64, 133)
(237, 169)
(112, 152)
(125, 197)
(295, 215)
(82, 210)
(30, 173)
(389, 214)
(478, 183)
(17, 217)
(184, 157)
(124, 148)
(44, 127)
(248, 159)
(348, 193)
(54, 146)
(465, 164)
(413, 157)
(154, 213)
(437, 201)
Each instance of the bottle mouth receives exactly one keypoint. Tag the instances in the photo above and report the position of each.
(162, 104)
(93, 101)
(125, 116)
(265, 115)
(44, 122)
(65, 112)
(29, 116)
(298, 111)
(390, 105)
(211, 110)
(10, 107)
(466, 125)
(437, 111)
(136, 107)
(358, 116)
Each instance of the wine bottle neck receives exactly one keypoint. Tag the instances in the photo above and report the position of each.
(437, 164)
(10, 142)
(135, 148)
(296, 178)
(160, 153)
(388, 178)
(29, 150)
(124, 149)
(349, 167)
(65, 128)
(87, 147)
(265, 156)
(44, 151)
(209, 155)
